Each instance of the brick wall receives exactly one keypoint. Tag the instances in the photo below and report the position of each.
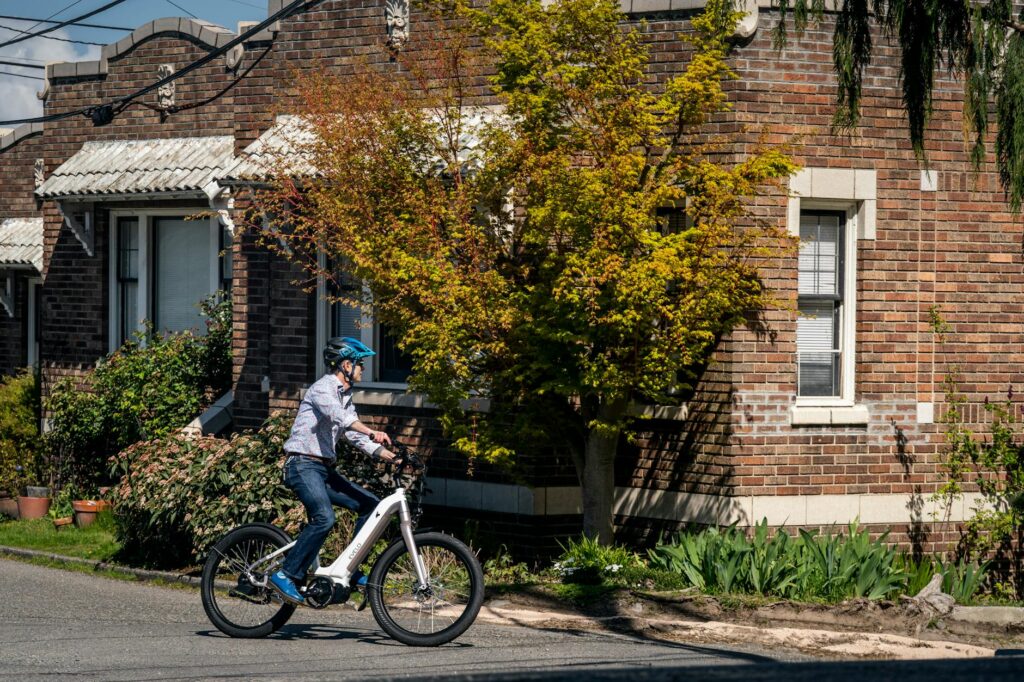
(957, 248)
(17, 163)
(76, 291)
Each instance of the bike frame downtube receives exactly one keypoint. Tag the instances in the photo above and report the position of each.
(357, 550)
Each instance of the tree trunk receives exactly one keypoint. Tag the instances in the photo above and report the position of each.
(597, 478)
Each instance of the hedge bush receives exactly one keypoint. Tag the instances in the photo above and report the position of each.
(178, 495)
(19, 432)
(149, 387)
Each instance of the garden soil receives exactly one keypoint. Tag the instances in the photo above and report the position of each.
(857, 628)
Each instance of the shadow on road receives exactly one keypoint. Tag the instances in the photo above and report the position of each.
(986, 669)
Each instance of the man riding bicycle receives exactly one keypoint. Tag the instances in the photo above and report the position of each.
(326, 413)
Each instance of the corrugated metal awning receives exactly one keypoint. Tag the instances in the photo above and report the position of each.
(118, 167)
(291, 137)
(21, 242)
(285, 139)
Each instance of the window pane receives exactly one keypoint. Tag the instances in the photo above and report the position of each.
(127, 278)
(183, 261)
(129, 309)
(820, 304)
(818, 348)
(226, 260)
(345, 320)
(128, 248)
(819, 255)
(395, 366)
(819, 375)
(672, 220)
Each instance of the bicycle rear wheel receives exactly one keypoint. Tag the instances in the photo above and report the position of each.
(237, 601)
(440, 612)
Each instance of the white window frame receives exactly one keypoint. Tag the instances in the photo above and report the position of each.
(369, 333)
(145, 226)
(853, 192)
(847, 311)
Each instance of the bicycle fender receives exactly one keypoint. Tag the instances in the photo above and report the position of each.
(269, 526)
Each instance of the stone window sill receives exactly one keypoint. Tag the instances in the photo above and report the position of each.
(825, 415)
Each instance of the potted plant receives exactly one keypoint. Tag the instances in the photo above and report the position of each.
(61, 509)
(86, 510)
(35, 503)
(9, 484)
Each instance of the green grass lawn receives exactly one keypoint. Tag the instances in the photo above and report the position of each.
(93, 542)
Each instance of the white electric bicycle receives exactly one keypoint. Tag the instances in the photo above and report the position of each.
(425, 589)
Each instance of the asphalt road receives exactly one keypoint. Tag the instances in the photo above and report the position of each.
(59, 625)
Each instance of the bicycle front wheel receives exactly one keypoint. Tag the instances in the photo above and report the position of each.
(431, 615)
(235, 593)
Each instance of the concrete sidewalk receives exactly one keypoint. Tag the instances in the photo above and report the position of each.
(1001, 627)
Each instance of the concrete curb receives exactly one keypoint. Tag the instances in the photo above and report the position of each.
(140, 573)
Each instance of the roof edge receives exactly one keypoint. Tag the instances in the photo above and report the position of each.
(206, 33)
(12, 138)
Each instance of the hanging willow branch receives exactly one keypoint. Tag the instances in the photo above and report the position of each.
(978, 41)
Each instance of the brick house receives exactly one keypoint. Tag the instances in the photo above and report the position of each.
(819, 414)
(21, 247)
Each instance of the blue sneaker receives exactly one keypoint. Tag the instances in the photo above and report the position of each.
(286, 587)
(359, 583)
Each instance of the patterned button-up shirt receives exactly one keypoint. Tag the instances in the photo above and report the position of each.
(326, 412)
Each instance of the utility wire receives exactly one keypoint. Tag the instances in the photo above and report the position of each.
(102, 114)
(194, 105)
(62, 24)
(76, 23)
(63, 40)
(60, 11)
(24, 66)
(21, 75)
(170, 2)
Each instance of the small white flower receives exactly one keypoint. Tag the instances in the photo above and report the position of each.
(614, 568)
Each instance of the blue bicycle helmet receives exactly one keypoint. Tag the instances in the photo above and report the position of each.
(345, 348)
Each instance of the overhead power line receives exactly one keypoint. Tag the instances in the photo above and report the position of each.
(74, 23)
(171, 2)
(21, 75)
(63, 40)
(24, 66)
(62, 10)
(103, 114)
(61, 24)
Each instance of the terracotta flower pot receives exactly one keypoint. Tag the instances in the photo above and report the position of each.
(85, 512)
(33, 507)
(9, 507)
(61, 524)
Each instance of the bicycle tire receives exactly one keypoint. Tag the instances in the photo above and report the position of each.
(243, 545)
(453, 600)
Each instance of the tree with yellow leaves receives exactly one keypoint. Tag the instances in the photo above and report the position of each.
(518, 251)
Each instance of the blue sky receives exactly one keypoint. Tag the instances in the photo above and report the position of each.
(18, 94)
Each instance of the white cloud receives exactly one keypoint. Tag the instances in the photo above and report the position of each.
(18, 95)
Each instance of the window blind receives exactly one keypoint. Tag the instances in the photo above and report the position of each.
(183, 261)
(819, 304)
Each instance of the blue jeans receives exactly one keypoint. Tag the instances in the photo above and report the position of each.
(319, 487)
